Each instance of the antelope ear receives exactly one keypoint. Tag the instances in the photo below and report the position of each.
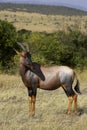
(17, 52)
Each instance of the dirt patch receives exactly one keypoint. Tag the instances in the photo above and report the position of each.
(84, 91)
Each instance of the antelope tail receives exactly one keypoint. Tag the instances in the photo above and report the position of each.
(77, 88)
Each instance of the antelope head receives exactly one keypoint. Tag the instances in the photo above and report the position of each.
(25, 56)
(25, 61)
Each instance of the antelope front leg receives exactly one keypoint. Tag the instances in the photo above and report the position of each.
(70, 104)
(33, 105)
(30, 105)
(30, 102)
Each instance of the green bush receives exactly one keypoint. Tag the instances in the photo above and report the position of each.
(58, 48)
(8, 38)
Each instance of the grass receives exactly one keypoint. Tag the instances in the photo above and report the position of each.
(42, 22)
(50, 107)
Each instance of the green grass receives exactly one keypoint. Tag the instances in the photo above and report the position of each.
(50, 107)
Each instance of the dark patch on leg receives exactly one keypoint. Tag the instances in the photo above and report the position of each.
(69, 91)
(32, 99)
(30, 92)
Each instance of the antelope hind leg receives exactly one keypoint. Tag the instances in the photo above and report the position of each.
(70, 104)
(75, 104)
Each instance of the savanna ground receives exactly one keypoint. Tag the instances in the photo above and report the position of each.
(50, 107)
(41, 22)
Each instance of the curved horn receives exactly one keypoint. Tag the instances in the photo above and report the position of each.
(27, 47)
(21, 45)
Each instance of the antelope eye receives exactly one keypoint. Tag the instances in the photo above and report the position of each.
(28, 55)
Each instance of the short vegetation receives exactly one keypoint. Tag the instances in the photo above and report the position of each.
(56, 35)
(57, 48)
(43, 18)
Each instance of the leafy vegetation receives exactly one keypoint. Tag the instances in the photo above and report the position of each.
(8, 37)
(58, 48)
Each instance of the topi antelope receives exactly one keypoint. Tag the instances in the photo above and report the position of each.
(48, 78)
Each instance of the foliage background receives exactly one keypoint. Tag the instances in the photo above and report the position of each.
(58, 48)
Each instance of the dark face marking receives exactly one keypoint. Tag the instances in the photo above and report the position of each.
(28, 58)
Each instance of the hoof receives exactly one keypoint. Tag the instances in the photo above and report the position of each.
(31, 114)
(75, 113)
(68, 113)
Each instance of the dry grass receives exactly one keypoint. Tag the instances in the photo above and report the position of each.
(41, 22)
(50, 107)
